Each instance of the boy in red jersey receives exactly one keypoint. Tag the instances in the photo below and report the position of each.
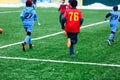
(68, 5)
(73, 19)
(62, 9)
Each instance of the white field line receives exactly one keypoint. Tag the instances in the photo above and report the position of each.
(9, 12)
(54, 34)
(58, 61)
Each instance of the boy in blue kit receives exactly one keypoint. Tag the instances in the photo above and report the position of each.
(114, 19)
(34, 3)
(28, 16)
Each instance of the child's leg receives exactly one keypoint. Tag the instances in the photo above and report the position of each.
(112, 35)
(71, 50)
(27, 38)
(113, 31)
(73, 39)
(60, 17)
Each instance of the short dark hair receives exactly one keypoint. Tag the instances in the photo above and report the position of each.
(73, 3)
(28, 3)
(115, 8)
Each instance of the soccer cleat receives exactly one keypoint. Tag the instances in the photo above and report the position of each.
(23, 46)
(65, 34)
(72, 55)
(69, 43)
(109, 43)
(31, 46)
(113, 40)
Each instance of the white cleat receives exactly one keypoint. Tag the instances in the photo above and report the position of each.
(109, 43)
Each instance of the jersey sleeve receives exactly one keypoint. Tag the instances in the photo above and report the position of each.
(35, 17)
(22, 15)
(119, 17)
(65, 14)
(108, 14)
(80, 15)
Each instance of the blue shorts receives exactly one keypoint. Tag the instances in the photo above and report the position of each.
(113, 27)
(28, 28)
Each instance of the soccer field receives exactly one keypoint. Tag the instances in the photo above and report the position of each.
(49, 59)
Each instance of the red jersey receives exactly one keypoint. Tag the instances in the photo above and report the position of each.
(62, 8)
(68, 6)
(72, 17)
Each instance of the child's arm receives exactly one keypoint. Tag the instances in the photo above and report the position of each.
(36, 19)
(107, 15)
(22, 16)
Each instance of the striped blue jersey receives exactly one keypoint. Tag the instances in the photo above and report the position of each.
(114, 17)
(28, 16)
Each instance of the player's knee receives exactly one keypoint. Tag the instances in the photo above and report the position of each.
(74, 41)
(29, 33)
(112, 32)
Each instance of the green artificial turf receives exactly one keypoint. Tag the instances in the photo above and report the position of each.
(91, 48)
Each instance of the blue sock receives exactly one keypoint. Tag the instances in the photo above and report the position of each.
(30, 41)
(111, 37)
(27, 39)
(114, 36)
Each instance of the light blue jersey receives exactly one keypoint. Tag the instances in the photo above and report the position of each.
(114, 19)
(28, 16)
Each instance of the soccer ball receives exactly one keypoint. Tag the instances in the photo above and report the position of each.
(1, 31)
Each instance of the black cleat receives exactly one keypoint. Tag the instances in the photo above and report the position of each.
(24, 47)
(31, 46)
(113, 40)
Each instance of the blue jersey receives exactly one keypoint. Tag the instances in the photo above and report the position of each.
(28, 16)
(114, 18)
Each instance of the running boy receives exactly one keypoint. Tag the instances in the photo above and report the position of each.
(114, 19)
(28, 15)
(62, 9)
(73, 19)
(68, 5)
(34, 3)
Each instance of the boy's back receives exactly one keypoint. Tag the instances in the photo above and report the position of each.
(73, 17)
(28, 15)
(114, 17)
